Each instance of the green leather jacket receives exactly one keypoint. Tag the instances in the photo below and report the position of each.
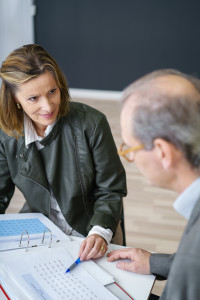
(79, 162)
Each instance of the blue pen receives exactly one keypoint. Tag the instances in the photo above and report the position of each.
(73, 265)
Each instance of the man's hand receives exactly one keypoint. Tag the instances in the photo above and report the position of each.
(94, 246)
(139, 260)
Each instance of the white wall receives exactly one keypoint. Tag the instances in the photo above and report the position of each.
(16, 25)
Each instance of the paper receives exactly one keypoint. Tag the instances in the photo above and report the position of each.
(136, 285)
(13, 225)
(45, 278)
(90, 266)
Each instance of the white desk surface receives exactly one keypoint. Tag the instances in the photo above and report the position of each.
(136, 285)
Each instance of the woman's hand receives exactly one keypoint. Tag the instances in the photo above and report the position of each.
(139, 260)
(94, 246)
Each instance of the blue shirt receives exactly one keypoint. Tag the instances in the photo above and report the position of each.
(185, 203)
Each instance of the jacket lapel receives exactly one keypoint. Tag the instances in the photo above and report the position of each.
(32, 164)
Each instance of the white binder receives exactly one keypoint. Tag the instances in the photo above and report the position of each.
(33, 265)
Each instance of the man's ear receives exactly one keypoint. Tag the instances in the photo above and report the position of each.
(165, 152)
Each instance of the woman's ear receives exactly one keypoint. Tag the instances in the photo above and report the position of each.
(15, 99)
(165, 152)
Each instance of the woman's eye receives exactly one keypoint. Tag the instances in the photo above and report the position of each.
(52, 91)
(32, 98)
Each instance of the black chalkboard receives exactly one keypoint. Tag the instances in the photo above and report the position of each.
(106, 44)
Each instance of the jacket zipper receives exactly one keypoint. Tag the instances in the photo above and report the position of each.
(79, 173)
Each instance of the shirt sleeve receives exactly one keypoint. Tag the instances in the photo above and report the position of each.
(105, 233)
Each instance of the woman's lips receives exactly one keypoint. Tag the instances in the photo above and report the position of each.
(47, 116)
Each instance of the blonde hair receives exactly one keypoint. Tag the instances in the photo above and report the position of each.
(22, 65)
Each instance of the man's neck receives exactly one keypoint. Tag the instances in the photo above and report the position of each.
(184, 178)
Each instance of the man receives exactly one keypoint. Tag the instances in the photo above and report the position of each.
(160, 122)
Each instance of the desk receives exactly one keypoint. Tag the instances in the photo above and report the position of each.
(137, 286)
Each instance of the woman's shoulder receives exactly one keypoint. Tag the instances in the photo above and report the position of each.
(84, 116)
(5, 138)
(81, 108)
(84, 113)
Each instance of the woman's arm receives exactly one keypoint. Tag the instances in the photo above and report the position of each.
(110, 187)
(110, 179)
(6, 185)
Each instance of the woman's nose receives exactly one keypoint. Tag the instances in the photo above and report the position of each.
(45, 103)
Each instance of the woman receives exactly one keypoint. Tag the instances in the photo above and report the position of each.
(60, 154)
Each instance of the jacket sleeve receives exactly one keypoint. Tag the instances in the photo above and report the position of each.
(183, 281)
(6, 185)
(160, 265)
(110, 179)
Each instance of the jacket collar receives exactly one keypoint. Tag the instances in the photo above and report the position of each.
(194, 216)
(186, 201)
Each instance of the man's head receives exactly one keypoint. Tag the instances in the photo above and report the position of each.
(161, 111)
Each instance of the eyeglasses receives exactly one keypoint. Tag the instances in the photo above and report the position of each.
(123, 152)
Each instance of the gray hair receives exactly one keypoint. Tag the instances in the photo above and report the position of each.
(174, 118)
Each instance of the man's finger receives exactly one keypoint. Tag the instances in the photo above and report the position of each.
(126, 266)
(119, 254)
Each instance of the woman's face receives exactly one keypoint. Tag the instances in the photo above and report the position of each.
(40, 99)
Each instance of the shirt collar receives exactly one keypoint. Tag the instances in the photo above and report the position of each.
(185, 203)
(30, 132)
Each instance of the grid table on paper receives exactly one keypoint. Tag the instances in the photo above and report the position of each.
(16, 227)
